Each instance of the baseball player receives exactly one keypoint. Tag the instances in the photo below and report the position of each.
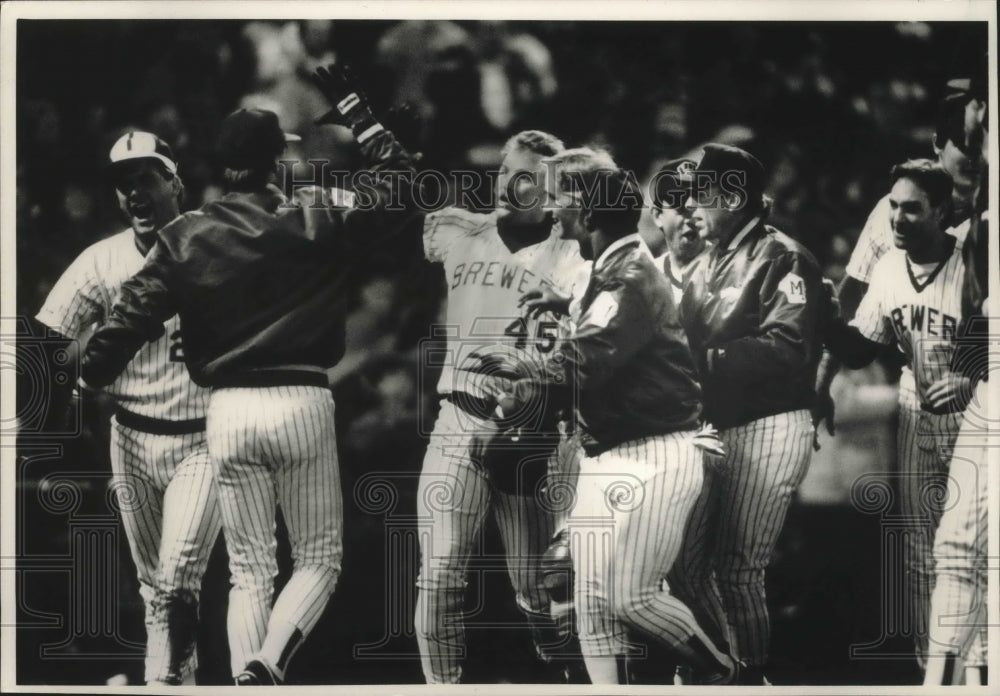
(915, 303)
(683, 243)
(752, 311)
(159, 456)
(490, 261)
(628, 372)
(958, 626)
(259, 287)
(966, 165)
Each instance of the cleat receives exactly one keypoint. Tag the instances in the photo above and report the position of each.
(256, 673)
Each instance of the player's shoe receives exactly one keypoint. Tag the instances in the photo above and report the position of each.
(736, 675)
(256, 673)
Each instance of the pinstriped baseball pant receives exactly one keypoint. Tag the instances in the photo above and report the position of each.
(735, 526)
(276, 447)
(171, 519)
(924, 443)
(625, 531)
(454, 497)
(958, 621)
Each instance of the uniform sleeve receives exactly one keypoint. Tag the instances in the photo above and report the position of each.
(874, 241)
(789, 335)
(442, 228)
(144, 304)
(870, 320)
(77, 301)
(615, 326)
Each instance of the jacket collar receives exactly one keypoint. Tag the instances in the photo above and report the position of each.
(627, 240)
(269, 198)
(741, 235)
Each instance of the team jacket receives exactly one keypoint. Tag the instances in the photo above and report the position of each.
(752, 312)
(258, 285)
(626, 368)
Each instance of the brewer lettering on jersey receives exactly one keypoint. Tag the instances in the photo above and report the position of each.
(486, 281)
(494, 273)
(920, 319)
(916, 307)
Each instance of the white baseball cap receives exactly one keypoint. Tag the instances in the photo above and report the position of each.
(142, 145)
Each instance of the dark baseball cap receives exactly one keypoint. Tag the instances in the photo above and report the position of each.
(136, 145)
(672, 185)
(720, 159)
(251, 138)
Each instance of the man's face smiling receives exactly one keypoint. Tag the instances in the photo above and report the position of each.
(521, 188)
(146, 194)
(914, 221)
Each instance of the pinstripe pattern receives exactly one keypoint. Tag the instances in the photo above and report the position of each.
(485, 282)
(876, 239)
(454, 496)
(173, 523)
(958, 604)
(156, 382)
(625, 532)
(924, 440)
(735, 526)
(169, 512)
(923, 446)
(275, 447)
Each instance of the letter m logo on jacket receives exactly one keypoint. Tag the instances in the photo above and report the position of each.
(794, 288)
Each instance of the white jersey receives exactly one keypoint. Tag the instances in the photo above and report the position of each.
(918, 307)
(485, 281)
(876, 239)
(155, 383)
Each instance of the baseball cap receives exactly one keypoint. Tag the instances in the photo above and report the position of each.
(142, 145)
(251, 138)
(720, 158)
(671, 184)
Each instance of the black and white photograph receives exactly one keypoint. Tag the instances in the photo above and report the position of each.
(589, 347)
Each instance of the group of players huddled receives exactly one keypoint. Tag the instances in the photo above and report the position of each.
(638, 424)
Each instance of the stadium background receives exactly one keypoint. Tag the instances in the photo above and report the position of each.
(828, 107)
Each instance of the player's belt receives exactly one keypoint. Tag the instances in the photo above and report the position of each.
(476, 406)
(273, 378)
(158, 426)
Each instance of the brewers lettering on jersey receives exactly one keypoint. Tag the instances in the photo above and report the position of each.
(915, 303)
(489, 261)
(966, 167)
(159, 455)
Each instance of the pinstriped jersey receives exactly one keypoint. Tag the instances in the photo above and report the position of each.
(918, 307)
(485, 281)
(876, 239)
(155, 383)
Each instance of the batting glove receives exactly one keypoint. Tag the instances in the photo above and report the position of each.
(350, 108)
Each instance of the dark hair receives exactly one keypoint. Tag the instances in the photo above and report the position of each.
(613, 197)
(932, 178)
(950, 123)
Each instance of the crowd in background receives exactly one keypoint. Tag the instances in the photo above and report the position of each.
(828, 108)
